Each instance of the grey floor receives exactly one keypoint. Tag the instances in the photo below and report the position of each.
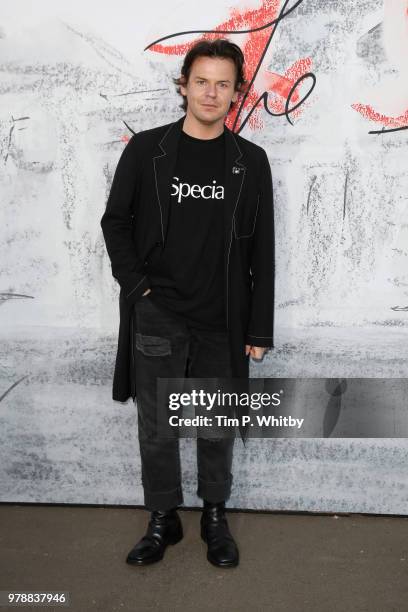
(296, 562)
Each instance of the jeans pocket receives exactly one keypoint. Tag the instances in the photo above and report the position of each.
(153, 346)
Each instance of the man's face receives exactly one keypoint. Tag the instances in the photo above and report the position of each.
(210, 88)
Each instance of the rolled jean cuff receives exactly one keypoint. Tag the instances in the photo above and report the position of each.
(163, 500)
(214, 491)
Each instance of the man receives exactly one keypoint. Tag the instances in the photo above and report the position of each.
(190, 234)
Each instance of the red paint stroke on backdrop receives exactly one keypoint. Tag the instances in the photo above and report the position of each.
(368, 112)
(278, 85)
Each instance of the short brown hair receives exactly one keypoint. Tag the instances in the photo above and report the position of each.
(220, 47)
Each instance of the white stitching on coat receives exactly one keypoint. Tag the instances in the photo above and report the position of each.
(233, 216)
(136, 286)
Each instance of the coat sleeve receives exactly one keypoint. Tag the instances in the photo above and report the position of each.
(116, 223)
(261, 320)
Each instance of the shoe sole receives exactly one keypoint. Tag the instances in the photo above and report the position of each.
(226, 565)
(155, 559)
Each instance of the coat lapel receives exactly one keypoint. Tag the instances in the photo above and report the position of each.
(164, 165)
(235, 172)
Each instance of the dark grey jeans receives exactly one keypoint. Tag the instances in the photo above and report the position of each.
(166, 347)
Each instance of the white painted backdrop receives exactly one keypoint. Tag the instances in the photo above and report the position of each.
(71, 74)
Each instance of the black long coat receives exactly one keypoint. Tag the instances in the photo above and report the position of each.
(134, 228)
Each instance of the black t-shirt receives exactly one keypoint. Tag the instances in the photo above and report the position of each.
(188, 278)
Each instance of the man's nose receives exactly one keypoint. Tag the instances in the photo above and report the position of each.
(211, 90)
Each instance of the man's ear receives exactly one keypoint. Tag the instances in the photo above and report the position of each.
(182, 86)
(240, 91)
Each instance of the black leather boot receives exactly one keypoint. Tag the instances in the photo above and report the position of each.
(222, 549)
(164, 528)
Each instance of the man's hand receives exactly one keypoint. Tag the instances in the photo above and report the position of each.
(256, 352)
(147, 292)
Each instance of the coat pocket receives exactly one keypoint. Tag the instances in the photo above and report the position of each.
(245, 219)
(153, 346)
